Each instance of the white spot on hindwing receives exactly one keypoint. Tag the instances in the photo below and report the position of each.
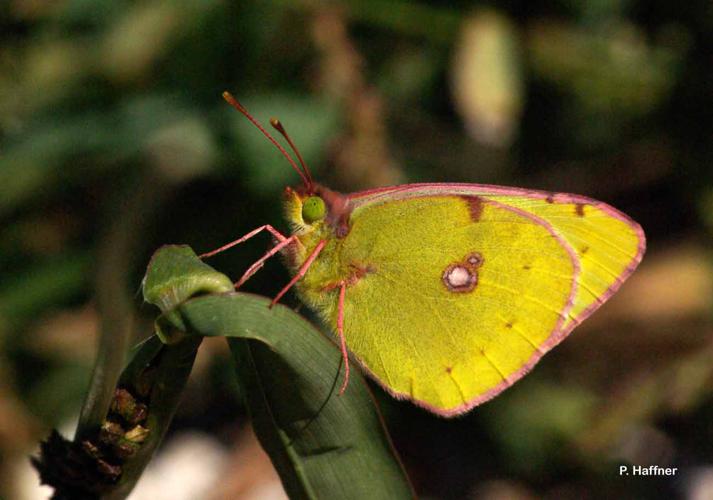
(462, 277)
(459, 276)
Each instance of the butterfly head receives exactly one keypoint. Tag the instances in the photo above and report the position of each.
(313, 209)
(304, 211)
(316, 209)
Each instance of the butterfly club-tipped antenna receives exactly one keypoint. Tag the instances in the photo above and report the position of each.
(277, 125)
(304, 174)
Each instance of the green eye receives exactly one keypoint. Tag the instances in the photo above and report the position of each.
(313, 209)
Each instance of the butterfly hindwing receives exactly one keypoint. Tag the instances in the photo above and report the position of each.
(608, 244)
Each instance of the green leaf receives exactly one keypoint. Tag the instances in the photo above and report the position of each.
(322, 445)
(175, 274)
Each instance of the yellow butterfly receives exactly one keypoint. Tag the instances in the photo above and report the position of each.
(447, 294)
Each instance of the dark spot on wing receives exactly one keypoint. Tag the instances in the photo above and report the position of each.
(475, 259)
(584, 250)
(550, 198)
(449, 369)
(475, 207)
(579, 209)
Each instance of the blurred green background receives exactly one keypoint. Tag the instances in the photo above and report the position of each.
(114, 140)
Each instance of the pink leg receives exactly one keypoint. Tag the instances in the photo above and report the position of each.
(342, 340)
(259, 263)
(300, 272)
(277, 234)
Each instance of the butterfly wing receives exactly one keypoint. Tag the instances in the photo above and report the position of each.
(467, 287)
(609, 245)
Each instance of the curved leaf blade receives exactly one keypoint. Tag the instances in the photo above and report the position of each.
(322, 445)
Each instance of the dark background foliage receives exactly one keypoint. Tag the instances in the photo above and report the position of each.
(114, 140)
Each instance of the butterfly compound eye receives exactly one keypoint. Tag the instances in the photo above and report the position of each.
(313, 209)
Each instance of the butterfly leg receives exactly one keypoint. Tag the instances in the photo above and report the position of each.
(340, 332)
(261, 261)
(267, 227)
(300, 272)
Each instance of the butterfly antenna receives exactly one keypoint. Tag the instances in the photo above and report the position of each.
(307, 180)
(278, 126)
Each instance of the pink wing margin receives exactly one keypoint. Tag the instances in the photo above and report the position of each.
(365, 198)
